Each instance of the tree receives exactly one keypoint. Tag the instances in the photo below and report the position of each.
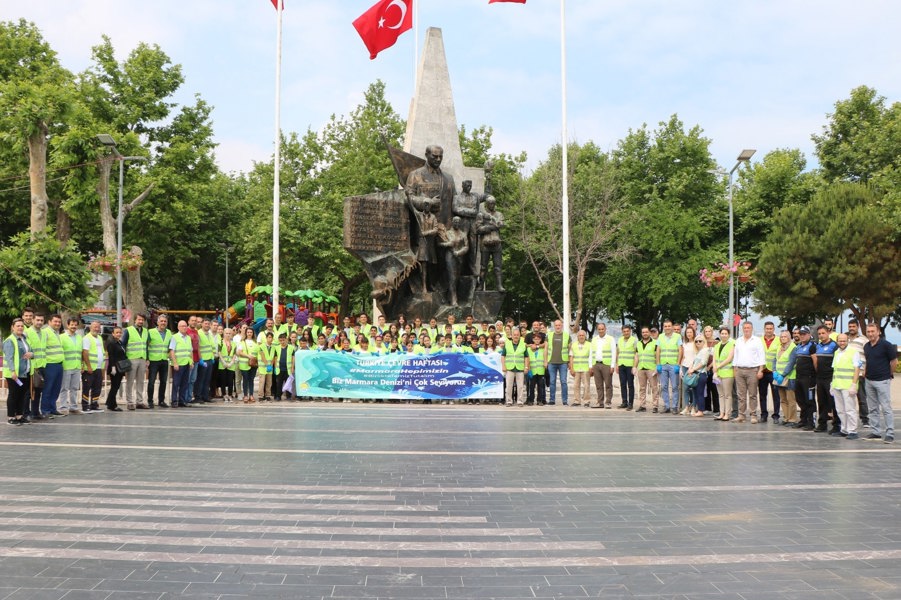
(42, 273)
(763, 188)
(595, 219)
(36, 95)
(838, 252)
(677, 222)
(319, 170)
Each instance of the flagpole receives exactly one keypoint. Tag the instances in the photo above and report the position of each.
(415, 40)
(276, 196)
(567, 311)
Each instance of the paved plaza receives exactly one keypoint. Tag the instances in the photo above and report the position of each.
(315, 500)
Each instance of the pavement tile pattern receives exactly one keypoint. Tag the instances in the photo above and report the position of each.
(308, 500)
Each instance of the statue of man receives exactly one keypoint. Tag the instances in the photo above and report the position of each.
(455, 241)
(488, 225)
(466, 206)
(429, 181)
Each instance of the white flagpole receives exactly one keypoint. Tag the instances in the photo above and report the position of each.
(276, 196)
(415, 41)
(567, 311)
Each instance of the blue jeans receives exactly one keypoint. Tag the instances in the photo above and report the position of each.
(192, 379)
(695, 395)
(180, 379)
(247, 379)
(555, 370)
(627, 385)
(53, 380)
(879, 407)
(202, 381)
(669, 380)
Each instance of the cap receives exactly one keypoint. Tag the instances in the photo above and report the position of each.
(804, 329)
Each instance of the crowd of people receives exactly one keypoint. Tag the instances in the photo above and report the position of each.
(53, 370)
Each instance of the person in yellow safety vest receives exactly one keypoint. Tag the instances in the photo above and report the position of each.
(53, 367)
(766, 383)
(645, 367)
(37, 341)
(536, 371)
(181, 356)
(580, 369)
(71, 340)
(135, 339)
(93, 363)
(17, 357)
(669, 357)
(829, 323)
(284, 367)
(228, 365)
(514, 364)
(846, 365)
(278, 327)
(783, 367)
(248, 363)
(626, 351)
(207, 351)
(269, 328)
(723, 373)
(603, 361)
(556, 361)
(158, 340)
(266, 358)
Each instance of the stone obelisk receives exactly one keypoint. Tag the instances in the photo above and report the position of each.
(432, 119)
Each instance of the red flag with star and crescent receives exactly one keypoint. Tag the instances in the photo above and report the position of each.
(381, 25)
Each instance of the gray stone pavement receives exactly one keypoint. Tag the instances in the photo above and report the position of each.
(314, 500)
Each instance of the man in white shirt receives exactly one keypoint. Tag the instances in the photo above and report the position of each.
(603, 360)
(750, 356)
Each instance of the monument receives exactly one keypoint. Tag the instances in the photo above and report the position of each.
(426, 245)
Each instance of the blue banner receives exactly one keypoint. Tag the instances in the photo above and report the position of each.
(398, 376)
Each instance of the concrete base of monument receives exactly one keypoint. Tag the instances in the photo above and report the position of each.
(483, 306)
(486, 306)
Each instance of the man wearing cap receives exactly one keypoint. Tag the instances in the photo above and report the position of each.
(805, 380)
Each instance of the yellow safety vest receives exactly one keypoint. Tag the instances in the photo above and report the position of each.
(159, 344)
(184, 350)
(722, 350)
(626, 349)
(536, 361)
(602, 350)
(782, 357)
(93, 342)
(581, 354)
(14, 372)
(53, 348)
(515, 357)
(669, 349)
(71, 351)
(564, 350)
(137, 343)
(647, 355)
(843, 369)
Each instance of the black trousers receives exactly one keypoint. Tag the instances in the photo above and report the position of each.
(536, 389)
(713, 394)
(804, 396)
(15, 400)
(91, 385)
(158, 369)
(626, 385)
(826, 405)
(115, 382)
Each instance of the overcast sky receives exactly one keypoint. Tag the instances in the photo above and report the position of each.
(760, 74)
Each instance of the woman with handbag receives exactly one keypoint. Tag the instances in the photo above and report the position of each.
(695, 379)
(116, 367)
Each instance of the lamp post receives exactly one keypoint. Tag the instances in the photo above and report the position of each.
(745, 156)
(107, 140)
(228, 248)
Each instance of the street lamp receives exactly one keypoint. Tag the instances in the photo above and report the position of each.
(108, 141)
(228, 248)
(745, 156)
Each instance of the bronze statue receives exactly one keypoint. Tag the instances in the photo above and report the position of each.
(488, 225)
(466, 206)
(426, 211)
(456, 243)
(430, 181)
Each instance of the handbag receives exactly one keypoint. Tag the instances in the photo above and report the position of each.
(253, 362)
(37, 380)
(123, 366)
(691, 380)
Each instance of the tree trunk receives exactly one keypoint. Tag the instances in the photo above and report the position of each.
(349, 285)
(134, 289)
(107, 220)
(63, 225)
(37, 175)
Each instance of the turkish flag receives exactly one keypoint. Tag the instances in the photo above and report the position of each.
(493, 1)
(275, 4)
(381, 25)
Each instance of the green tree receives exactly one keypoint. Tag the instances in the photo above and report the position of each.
(815, 263)
(763, 188)
(318, 171)
(36, 96)
(676, 220)
(43, 273)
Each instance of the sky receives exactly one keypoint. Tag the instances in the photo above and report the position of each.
(760, 75)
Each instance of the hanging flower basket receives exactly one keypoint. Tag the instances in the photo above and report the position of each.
(721, 273)
(107, 263)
